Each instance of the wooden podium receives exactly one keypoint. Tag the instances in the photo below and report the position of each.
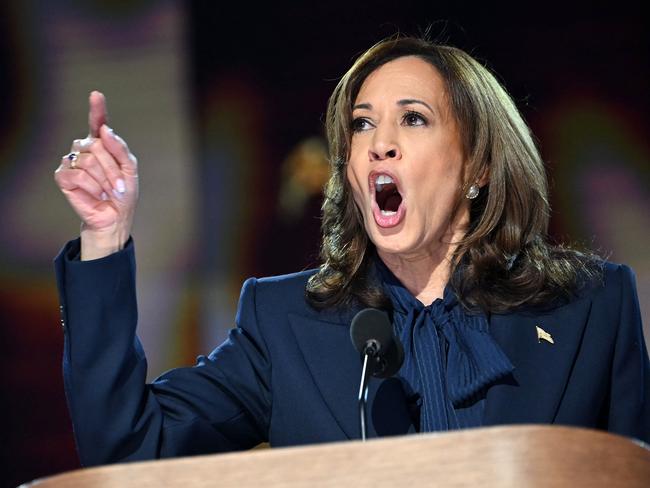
(521, 456)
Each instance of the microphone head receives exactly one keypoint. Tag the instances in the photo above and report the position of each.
(371, 324)
(392, 361)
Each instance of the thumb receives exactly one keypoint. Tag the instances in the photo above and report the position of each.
(97, 115)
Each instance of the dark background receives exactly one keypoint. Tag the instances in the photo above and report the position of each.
(579, 74)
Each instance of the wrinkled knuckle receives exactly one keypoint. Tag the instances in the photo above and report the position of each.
(90, 160)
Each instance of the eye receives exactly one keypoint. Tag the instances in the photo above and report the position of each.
(412, 118)
(360, 124)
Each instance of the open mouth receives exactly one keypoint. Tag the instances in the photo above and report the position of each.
(386, 194)
(388, 206)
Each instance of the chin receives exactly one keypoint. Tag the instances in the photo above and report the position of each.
(390, 244)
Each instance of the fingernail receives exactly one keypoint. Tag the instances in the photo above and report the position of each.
(104, 196)
(121, 187)
(117, 194)
(86, 143)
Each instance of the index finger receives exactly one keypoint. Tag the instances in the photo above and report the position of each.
(97, 115)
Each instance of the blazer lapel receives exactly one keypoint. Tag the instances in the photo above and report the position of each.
(542, 369)
(336, 366)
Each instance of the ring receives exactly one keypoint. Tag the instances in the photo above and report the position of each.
(72, 157)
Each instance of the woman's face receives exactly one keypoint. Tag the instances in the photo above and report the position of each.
(406, 159)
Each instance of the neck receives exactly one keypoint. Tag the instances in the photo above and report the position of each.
(424, 274)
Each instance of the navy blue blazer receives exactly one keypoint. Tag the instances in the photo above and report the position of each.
(289, 375)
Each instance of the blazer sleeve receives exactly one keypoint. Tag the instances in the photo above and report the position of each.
(629, 402)
(220, 404)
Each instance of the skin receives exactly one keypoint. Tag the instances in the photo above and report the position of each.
(103, 187)
(420, 145)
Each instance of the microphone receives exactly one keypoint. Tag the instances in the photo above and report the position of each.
(383, 354)
(372, 335)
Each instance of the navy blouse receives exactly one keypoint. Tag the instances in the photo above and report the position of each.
(450, 359)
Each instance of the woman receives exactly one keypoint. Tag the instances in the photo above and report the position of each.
(437, 197)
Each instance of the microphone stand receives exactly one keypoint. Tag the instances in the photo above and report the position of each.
(363, 397)
(383, 354)
(371, 351)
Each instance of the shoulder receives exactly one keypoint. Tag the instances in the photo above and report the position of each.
(277, 294)
(617, 272)
(284, 283)
(604, 284)
(611, 296)
(616, 282)
(287, 285)
(283, 295)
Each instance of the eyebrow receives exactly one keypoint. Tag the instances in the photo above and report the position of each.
(401, 103)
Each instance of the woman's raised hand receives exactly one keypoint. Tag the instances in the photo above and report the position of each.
(100, 180)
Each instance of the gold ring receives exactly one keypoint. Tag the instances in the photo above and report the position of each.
(72, 158)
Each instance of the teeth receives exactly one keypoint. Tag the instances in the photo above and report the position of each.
(381, 181)
(384, 179)
(387, 213)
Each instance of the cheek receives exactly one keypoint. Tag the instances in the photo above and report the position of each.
(353, 178)
(357, 171)
(437, 186)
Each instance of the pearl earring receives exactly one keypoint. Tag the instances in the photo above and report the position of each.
(472, 192)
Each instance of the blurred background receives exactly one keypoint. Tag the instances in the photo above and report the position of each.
(224, 106)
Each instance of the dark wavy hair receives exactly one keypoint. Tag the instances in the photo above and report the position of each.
(505, 259)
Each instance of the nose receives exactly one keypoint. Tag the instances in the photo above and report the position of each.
(383, 146)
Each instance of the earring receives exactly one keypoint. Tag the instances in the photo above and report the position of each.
(472, 192)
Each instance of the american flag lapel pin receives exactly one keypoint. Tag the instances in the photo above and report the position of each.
(542, 335)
